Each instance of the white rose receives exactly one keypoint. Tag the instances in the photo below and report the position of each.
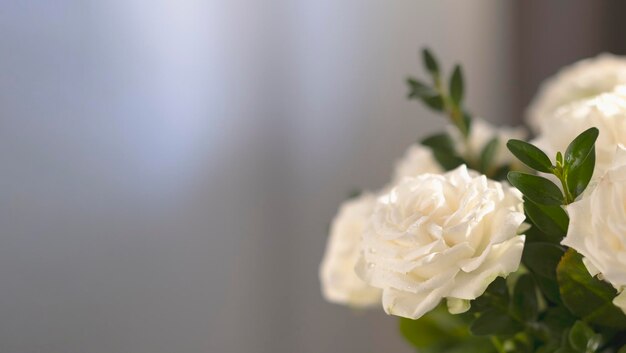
(584, 79)
(481, 133)
(416, 160)
(340, 284)
(597, 227)
(441, 236)
(606, 111)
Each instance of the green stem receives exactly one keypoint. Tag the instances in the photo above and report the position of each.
(456, 117)
(437, 80)
(559, 173)
(454, 113)
(568, 196)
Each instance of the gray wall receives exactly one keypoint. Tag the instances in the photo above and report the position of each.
(169, 167)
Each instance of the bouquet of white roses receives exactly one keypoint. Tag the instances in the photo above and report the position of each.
(484, 242)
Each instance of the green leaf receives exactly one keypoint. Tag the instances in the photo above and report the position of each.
(471, 345)
(536, 188)
(552, 220)
(430, 97)
(495, 322)
(422, 333)
(439, 142)
(440, 331)
(550, 347)
(448, 161)
(418, 89)
(578, 336)
(587, 297)
(530, 155)
(534, 234)
(582, 338)
(480, 304)
(430, 62)
(443, 150)
(565, 346)
(456, 86)
(565, 349)
(498, 288)
(578, 177)
(524, 303)
(488, 154)
(549, 288)
(467, 120)
(622, 350)
(434, 102)
(594, 343)
(558, 319)
(542, 258)
(497, 293)
(580, 147)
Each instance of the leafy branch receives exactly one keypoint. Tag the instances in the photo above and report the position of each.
(448, 99)
(438, 97)
(574, 170)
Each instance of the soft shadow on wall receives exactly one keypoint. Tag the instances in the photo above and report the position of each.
(551, 34)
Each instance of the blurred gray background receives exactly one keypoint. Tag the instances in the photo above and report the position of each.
(169, 168)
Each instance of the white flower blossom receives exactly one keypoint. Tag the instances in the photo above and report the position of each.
(606, 111)
(597, 227)
(584, 79)
(340, 284)
(439, 236)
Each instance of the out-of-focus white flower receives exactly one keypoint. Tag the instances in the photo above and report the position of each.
(606, 111)
(441, 236)
(340, 284)
(584, 79)
(416, 160)
(597, 227)
(481, 133)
